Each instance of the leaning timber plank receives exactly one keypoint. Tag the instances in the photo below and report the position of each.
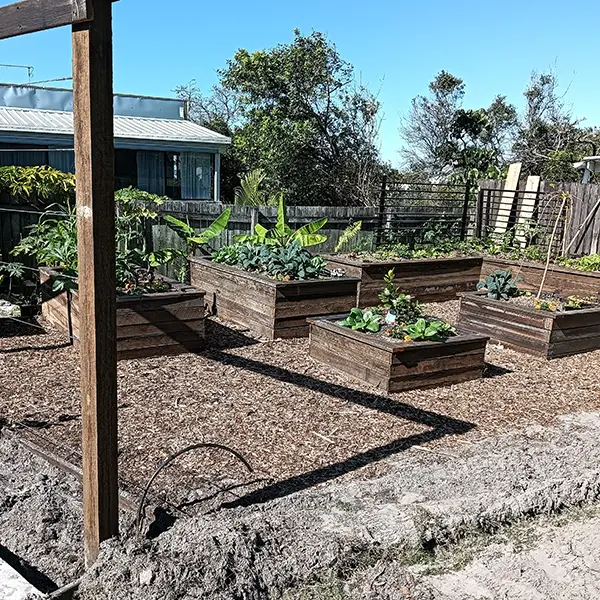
(393, 365)
(57, 461)
(30, 16)
(507, 199)
(527, 206)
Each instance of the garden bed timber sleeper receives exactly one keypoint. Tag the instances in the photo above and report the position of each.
(393, 365)
(539, 332)
(559, 280)
(429, 279)
(270, 308)
(147, 325)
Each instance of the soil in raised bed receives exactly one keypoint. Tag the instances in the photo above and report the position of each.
(298, 422)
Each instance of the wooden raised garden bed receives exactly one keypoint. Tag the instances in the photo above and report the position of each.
(429, 279)
(270, 308)
(148, 325)
(560, 280)
(540, 332)
(393, 365)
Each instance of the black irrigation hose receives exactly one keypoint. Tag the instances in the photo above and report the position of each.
(169, 460)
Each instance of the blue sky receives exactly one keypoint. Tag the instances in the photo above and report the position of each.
(396, 46)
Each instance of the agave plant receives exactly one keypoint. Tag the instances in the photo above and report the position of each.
(282, 234)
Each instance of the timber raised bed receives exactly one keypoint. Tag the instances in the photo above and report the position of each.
(428, 279)
(270, 308)
(147, 325)
(539, 332)
(559, 280)
(393, 365)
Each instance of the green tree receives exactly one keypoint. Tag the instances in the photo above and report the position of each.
(549, 139)
(296, 112)
(444, 140)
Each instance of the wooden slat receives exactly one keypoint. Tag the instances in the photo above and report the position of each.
(556, 334)
(430, 280)
(508, 198)
(270, 308)
(559, 279)
(528, 204)
(29, 16)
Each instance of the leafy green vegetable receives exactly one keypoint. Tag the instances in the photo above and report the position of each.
(280, 262)
(429, 330)
(500, 285)
(590, 262)
(406, 308)
(358, 320)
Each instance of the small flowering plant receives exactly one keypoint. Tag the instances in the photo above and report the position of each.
(551, 305)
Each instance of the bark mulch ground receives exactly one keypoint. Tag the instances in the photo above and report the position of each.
(298, 422)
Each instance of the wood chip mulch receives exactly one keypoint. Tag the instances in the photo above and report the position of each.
(298, 422)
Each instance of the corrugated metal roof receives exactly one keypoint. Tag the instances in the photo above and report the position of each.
(19, 120)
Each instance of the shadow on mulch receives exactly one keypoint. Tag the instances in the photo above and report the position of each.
(30, 573)
(22, 328)
(220, 337)
(441, 426)
(491, 371)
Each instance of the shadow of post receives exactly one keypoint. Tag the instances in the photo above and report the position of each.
(440, 426)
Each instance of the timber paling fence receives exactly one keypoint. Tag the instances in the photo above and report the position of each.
(402, 213)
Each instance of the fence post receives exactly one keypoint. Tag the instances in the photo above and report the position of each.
(465, 215)
(254, 218)
(380, 220)
(479, 212)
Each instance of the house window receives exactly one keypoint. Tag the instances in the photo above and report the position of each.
(173, 175)
(126, 170)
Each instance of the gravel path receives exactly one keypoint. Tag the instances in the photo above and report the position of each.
(298, 422)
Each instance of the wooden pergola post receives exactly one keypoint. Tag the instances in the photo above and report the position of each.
(91, 22)
(94, 165)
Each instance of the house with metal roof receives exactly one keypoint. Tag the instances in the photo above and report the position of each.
(157, 148)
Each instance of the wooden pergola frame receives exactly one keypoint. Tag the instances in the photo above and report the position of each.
(91, 22)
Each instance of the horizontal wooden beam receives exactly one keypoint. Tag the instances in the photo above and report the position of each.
(29, 16)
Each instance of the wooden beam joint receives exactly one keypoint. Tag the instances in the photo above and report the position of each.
(30, 16)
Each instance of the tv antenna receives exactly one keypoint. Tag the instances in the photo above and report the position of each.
(28, 67)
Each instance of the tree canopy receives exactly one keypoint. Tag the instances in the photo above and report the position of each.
(443, 140)
(297, 113)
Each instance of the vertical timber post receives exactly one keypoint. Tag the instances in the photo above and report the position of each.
(94, 160)
(465, 212)
(479, 212)
(381, 215)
